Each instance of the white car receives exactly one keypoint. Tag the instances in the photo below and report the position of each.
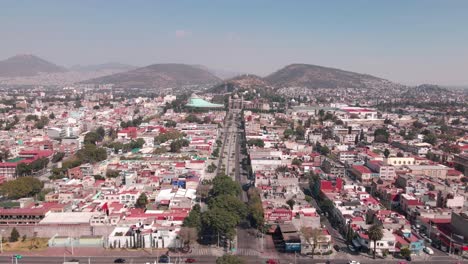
(353, 262)
(428, 250)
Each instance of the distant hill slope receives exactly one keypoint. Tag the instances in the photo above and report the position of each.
(27, 65)
(425, 90)
(159, 75)
(114, 66)
(220, 73)
(243, 82)
(312, 76)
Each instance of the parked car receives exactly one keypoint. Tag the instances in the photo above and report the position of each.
(428, 250)
(353, 262)
(272, 261)
(190, 260)
(120, 260)
(164, 259)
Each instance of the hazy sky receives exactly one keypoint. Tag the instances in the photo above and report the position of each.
(405, 41)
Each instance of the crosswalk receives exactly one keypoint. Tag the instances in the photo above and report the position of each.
(206, 252)
(247, 252)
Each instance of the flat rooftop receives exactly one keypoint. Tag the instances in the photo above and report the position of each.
(68, 218)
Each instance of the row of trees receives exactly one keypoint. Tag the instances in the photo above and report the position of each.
(9, 124)
(298, 132)
(132, 123)
(225, 211)
(168, 135)
(90, 153)
(21, 187)
(178, 144)
(24, 169)
(256, 142)
(117, 146)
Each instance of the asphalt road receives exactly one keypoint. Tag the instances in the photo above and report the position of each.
(101, 260)
(200, 259)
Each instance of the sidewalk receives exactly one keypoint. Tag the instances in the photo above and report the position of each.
(102, 252)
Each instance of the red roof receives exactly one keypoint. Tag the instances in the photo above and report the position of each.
(361, 169)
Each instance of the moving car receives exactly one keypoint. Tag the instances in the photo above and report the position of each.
(120, 260)
(428, 250)
(190, 260)
(272, 261)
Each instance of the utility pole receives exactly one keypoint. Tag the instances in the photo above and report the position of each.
(450, 245)
(72, 245)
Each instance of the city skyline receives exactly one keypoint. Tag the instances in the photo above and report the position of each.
(407, 42)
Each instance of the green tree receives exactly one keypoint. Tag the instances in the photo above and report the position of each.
(176, 145)
(324, 150)
(142, 201)
(219, 221)
(405, 252)
(188, 235)
(375, 233)
(230, 259)
(296, 162)
(327, 205)
(101, 132)
(255, 207)
(256, 142)
(91, 153)
(312, 236)
(58, 156)
(21, 187)
(91, 138)
(223, 184)
(291, 203)
(418, 125)
(386, 153)
(211, 168)
(14, 235)
(288, 133)
(168, 135)
(381, 135)
(112, 173)
(160, 150)
(4, 155)
(229, 203)
(193, 119)
(430, 138)
(170, 123)
(42, 122)
(194, 218)
(300, 132)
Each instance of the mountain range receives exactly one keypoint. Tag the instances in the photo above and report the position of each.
(116, 66)
(313, 76)
(159, 76)
(175, 75)
(27, 65)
